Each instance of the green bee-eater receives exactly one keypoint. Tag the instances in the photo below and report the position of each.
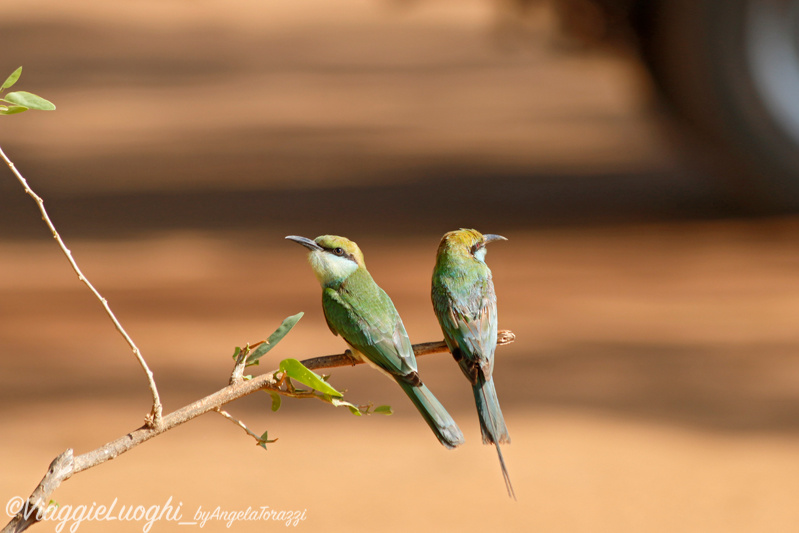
(466, 306)
(365, 317)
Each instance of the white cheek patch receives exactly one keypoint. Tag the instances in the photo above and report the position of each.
(328, 267)
(480, 254)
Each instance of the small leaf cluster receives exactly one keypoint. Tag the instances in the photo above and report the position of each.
(264, 439)
(319, 388)
(256, 351)
(292, 369)
(19, 101)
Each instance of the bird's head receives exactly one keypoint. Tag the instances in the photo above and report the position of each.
(333, 258)
(465, 243)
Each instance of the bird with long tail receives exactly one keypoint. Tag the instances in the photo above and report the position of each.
(361, 312)
(466, 306)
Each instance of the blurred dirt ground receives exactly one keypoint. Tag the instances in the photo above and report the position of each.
(654, 383)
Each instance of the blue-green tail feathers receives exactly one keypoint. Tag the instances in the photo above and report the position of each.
(505, 475)
(439, 420)
(492, 423)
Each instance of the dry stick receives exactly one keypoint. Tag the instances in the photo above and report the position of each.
(154, 418)
(504, 337)
(66, 465)
(239, 423)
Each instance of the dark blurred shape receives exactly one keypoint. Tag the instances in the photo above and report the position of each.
(727, 71)
(507, 200)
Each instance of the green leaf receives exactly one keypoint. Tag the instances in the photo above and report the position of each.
(274, 338)
(354, 409)
(12, 109)
(275, 400)
(11, 80)
(30, 101)
(263, 440)
(383, 410)
(296, 370)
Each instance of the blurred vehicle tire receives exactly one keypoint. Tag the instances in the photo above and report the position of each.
(729, 70)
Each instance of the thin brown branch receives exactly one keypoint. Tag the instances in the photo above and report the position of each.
(504, 337)
(66, 465)
(239, 423)
(154, 418)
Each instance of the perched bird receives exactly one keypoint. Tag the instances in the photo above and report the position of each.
(466, 306)
(363, 314)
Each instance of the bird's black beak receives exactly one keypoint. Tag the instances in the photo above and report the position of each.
(488, 237)
(308, 243)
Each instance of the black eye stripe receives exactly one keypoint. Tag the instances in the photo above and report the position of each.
(339, 252)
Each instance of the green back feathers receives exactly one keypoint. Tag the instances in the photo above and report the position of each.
(363, 314)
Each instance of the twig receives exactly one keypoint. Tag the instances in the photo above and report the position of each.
(504, 337)
(238, 370)
(241, 424)
(154, 418)
(65, 465)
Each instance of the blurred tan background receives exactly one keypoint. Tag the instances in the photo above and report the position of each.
(654, 382)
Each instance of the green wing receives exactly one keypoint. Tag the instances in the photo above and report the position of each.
(370, 324)
(467, 312)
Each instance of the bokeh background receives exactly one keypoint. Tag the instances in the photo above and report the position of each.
(654, 383)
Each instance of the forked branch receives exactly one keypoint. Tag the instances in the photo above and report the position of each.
(154, 418)
(66, 465)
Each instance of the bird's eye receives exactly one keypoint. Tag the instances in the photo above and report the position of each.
(338, 251)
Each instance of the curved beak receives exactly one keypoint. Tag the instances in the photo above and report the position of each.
(308, 243)
(488, 237)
